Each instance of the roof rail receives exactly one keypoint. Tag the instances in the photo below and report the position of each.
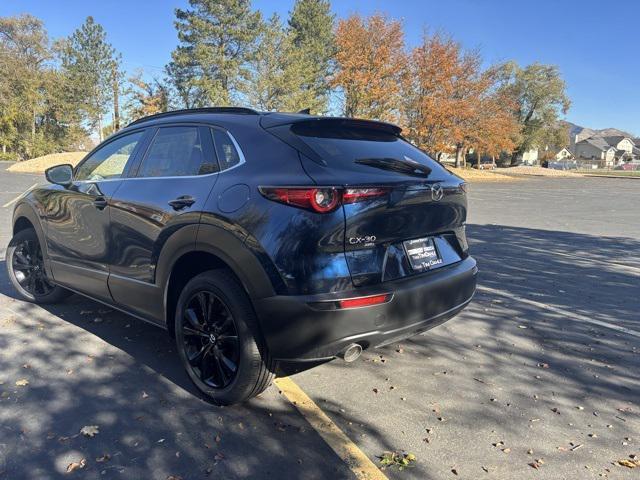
(239, 110)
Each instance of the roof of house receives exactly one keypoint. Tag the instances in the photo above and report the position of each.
(614, 140)
(598, 142)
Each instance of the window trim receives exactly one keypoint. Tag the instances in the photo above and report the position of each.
(142, 143)
(155, 129)
(235, 144)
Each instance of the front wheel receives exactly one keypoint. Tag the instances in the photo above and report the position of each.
(219, 341)
(25, 266)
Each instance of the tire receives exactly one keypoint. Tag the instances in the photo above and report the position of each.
(206, 347)
(25, 267)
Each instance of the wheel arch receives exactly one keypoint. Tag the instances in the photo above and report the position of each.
(214, 247)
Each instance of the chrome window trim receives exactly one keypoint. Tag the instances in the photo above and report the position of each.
(233, 140)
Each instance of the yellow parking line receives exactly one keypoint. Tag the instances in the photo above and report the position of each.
(348, 451)
(11, 202)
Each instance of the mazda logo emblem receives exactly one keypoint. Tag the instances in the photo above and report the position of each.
(437, 192)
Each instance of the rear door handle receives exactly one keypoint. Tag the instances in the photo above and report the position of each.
(182, 202)
(100, 203)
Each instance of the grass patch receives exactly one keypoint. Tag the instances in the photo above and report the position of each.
(613, 173)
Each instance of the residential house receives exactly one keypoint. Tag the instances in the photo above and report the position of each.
(605, 151)
(563, 154)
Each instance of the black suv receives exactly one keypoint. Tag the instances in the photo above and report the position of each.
(264, 242)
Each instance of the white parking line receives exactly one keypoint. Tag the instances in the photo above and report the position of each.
(8, 204)
(568, 315)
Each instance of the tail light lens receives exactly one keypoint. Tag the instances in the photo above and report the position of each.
(363, 301)
(320, 199)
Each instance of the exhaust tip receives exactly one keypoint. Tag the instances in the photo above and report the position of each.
(351, 353)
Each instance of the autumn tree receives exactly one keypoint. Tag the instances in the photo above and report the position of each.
(450, 104)
(539, 92)
(90, 64)
(36, 117)
(146, 97)
(370, 63)
(311, 29)
(217, 39)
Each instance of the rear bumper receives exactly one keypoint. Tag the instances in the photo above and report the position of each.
(298, 332)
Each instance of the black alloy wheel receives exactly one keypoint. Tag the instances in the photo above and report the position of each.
(28, 268)
(210, 339)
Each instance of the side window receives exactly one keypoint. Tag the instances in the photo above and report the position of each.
(228, 155)
(109, 161)
(177, 152)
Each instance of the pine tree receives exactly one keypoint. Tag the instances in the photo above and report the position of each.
(277, 77)
(311, 26)
(89, 61)
(217, 40)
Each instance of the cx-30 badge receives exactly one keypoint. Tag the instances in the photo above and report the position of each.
(437, 192)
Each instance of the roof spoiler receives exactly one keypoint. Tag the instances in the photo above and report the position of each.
(274, 120)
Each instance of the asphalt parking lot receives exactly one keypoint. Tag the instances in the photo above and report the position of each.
(537, 378)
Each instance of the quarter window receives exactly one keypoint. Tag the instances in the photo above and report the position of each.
(228, 155)
(177, 152)
(109, 161)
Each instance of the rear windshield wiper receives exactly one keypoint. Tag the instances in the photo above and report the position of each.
(408, 167)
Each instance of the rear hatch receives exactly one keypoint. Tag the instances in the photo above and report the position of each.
(411, 218)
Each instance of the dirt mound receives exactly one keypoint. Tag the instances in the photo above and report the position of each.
(40, 164)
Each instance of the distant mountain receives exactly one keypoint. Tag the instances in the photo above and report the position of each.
(588, 132)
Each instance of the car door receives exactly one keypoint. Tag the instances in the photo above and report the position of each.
(166, 194)
(77, 217)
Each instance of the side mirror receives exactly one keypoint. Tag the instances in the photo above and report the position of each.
(60, 174)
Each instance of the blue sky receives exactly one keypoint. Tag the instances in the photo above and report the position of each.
(594, 44)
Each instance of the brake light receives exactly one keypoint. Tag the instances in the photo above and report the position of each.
(320, 199)
(363, 301)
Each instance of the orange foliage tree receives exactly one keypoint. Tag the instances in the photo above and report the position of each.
(450, 104)
(370, 62)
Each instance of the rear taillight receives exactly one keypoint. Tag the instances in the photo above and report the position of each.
(353, 195)
(320, 199)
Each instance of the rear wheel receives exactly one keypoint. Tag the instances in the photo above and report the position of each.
(219, 341)
(25, 266)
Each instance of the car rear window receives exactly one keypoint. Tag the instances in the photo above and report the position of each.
(338, 145)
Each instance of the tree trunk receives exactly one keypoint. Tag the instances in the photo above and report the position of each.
(116, 101)
(100, 136)
(459, 155)
(4, 148)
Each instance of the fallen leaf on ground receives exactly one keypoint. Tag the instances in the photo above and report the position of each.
(72, 467)
(104, 458)
(628, 463)
(23, 382)
(396, 459)
(90, 430)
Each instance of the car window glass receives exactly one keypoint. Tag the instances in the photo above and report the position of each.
(109, 161)
(177, 152)
(228, 155)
